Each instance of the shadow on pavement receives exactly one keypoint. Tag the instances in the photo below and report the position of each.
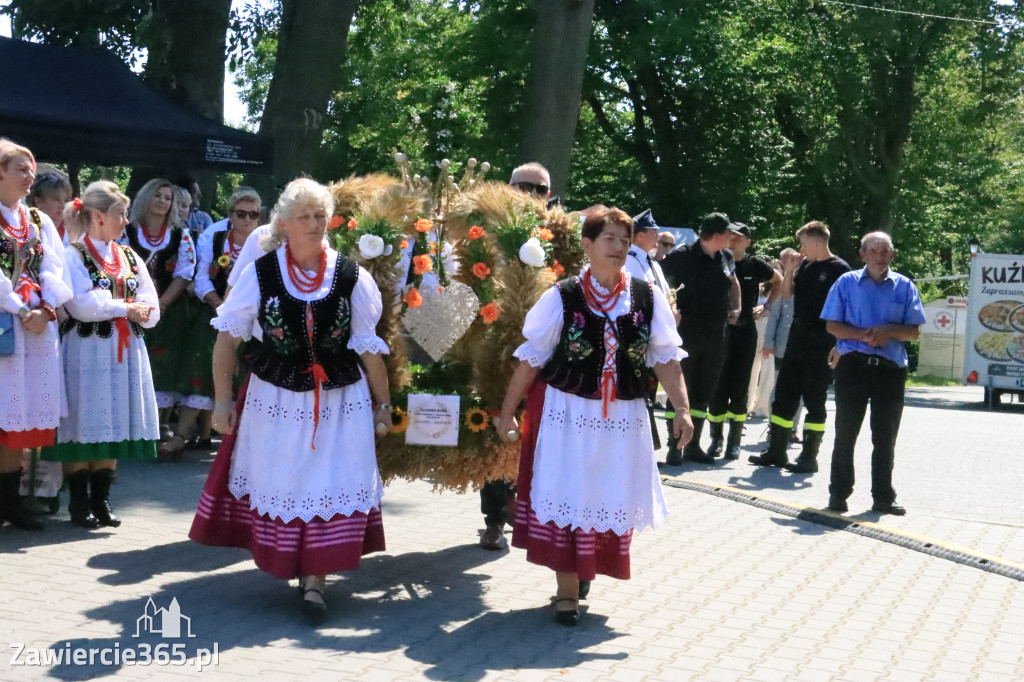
(58, 531)
(139, 565)
(773, 478)
(430, 604)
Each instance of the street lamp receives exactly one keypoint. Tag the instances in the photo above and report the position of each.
(974, 243)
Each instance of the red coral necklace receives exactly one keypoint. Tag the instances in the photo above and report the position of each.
(19, 233)
(298, 276)
(113, 268)
(233, 249)
(599, 301)
(160, 237)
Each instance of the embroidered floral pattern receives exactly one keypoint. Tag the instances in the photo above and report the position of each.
(274, 327)
(637, 351)
(577, 347)
(340, 328)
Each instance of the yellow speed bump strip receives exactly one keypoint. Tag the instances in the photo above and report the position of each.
(852, 524)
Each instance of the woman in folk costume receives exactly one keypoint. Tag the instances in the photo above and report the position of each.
(166, 248)
(300, 487)
(587, 476)
(33, 284)
(112, 412)
(50, 192)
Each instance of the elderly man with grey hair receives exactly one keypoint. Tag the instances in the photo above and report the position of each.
(871, 312)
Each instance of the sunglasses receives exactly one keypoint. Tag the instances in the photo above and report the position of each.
(669, 244)
(251, 215)
(531, 188)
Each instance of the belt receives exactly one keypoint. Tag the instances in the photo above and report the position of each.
(873, 360)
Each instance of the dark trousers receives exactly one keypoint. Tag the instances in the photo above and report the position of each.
(494, 501)
(730, 397)
(702, 366)
(857, 384)
(804, 374)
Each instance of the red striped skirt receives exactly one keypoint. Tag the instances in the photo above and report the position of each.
(284, 550)
(583, 552)
(33, 438)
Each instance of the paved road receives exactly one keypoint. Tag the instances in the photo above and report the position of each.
(723, 591)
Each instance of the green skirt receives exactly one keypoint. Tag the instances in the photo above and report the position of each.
(95, 452)
(199, 352)
(167, 344)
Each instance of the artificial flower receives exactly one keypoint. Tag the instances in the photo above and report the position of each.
(476, 419)
(544, 233)
(557, 267)
(224, 260)
(413, 298)
(481, 270)
(532, 253)
(421, 264)
(352, 224)
(490, 312)
(399, 420)
(371, 246)
(423, 225)
(404, 244)
(433, 248)
(335, 222)
(476, 232)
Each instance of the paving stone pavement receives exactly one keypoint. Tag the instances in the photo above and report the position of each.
(723, 591)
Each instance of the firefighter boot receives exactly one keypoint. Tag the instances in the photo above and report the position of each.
(732, 447)
(775, 455)
(692, 452)
(807, 462)
(717, 439)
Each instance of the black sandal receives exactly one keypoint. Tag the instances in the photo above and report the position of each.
(315, 611)
(566, 617)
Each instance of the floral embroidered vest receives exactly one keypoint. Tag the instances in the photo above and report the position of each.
(27, 257)
(219, 271)
(579, 356)
(161, 266)
(124, 287)
(285, 357)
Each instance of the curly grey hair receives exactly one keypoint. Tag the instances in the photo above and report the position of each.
(297, 195)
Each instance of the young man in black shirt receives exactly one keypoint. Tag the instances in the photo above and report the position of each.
(730, 398)
(805, 373)
(708, 297)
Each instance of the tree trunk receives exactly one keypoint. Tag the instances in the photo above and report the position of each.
(555, 84)
(311, 49)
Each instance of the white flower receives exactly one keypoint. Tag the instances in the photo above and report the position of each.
(371, 246)
(532, 253)
(388, 250)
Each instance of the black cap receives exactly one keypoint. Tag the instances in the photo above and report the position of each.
(740, 228)
(644, 221)
(714, 224)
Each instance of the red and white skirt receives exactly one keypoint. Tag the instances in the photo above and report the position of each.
(33, 438)
(284, 550)
(583, 552)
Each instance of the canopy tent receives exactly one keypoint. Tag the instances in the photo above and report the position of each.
(84, 105)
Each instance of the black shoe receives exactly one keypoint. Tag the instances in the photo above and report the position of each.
(693, 453)
(890, 508)
(314, 611)
(765, 459)
(732, 446)
(674, 458)
(717, 439)
(775, 455)
(837, 504)
(802, 467)
(584, 589)
(568, 617)
(78, 504)
(732, 452)
(807, 462)
(99, 497)
(12, 508)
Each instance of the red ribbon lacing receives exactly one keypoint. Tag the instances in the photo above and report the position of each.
(122, 337)
(25, 289)
(318, 372)
(608, 390)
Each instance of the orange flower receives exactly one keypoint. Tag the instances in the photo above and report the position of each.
(413, 298)
(557, 267)
(481, 270)
(421, 264)
(490, 312)
(545, 234)
(404, 244)
(476, 232)
(433, 248)
(352, 224)
(335, 222)
(423, 225)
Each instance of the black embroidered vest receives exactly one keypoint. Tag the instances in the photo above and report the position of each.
(219, 273)
(119, 288)
(28, 257)
(579, 357)
(161, 266)
(285, 358)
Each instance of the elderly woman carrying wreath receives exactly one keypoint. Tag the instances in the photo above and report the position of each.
(587, 476)
(300, 489)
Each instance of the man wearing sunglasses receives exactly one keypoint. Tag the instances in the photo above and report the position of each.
(666, 242)
(533, 179)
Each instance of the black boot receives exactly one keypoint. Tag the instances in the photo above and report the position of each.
(99, 504)
(11, 508)
(732, 448)
(807, 462)
(692, 452)
(78, 503)
(717, 439)
(775, 455)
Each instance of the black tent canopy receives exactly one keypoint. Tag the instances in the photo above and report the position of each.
(83, 105)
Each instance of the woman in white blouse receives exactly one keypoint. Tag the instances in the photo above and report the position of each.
(165, 246)
(300, 489)
(32, 285)
(112, 410)
(587, 476)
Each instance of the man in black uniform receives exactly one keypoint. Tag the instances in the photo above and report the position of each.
(708, 297)
(808, 277)
(730, 398)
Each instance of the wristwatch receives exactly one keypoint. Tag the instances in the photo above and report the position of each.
(23, 312)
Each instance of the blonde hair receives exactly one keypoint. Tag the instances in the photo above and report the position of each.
(9, 151)
(298, 194)
(243, 193)
(814, 230)
(140, 207)
(98, 196)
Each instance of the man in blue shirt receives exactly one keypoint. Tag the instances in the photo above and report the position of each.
(871, 312)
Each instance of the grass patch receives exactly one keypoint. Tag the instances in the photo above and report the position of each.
(918, 380)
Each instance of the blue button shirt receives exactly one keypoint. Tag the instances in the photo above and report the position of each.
(859, 301)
